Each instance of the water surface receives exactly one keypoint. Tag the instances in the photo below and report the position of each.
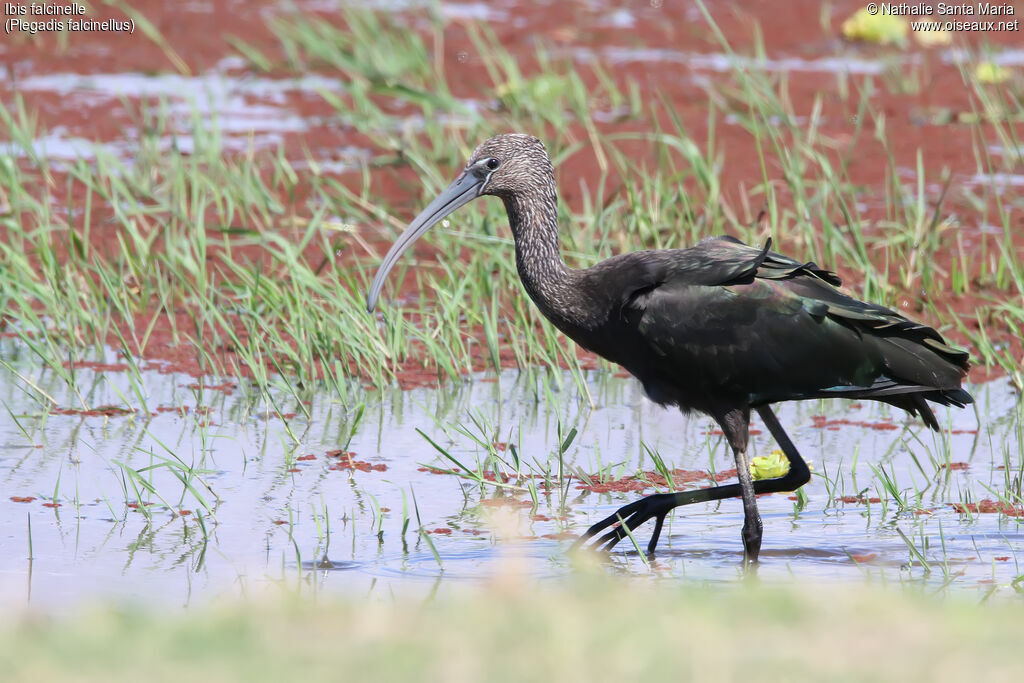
(266, 503)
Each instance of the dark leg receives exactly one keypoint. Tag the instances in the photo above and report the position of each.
(656, 507)
(751, 516)
(735, 423)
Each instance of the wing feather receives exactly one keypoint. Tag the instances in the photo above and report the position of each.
(727, 317)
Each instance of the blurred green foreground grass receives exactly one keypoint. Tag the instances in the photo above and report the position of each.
(596, 631)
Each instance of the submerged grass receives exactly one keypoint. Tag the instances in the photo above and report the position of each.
(596, 630)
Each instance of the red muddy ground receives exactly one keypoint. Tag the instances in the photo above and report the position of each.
(197, 35)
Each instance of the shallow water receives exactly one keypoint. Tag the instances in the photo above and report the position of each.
(247, 112)
(275, 519)
(239, 113)
(725, 63)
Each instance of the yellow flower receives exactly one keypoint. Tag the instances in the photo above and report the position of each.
(990, 72)
(883, 29)
(933, 38)
(770, 466)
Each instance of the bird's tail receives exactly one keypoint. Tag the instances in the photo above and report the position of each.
(922, 367)
(917, 403)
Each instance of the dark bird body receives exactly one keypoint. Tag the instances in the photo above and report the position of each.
(722, 322)
(720, 328)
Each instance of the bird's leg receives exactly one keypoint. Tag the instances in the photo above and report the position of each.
(751, 516)
(656, 507)
(735, 423)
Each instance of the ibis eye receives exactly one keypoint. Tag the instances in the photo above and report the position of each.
(492, 164)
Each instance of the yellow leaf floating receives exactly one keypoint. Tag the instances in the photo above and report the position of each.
(990, 72)
(883, 29)
(770, 466)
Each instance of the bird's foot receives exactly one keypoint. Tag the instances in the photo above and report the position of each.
(627, 518)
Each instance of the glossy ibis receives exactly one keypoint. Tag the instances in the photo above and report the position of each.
(720, 328)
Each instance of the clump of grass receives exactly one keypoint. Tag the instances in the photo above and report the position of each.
(787, 633)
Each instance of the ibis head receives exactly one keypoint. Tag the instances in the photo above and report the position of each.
(504, 166)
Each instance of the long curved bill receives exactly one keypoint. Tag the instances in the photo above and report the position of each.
(465, 189)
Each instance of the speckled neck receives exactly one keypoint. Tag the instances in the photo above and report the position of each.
(548, 281)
